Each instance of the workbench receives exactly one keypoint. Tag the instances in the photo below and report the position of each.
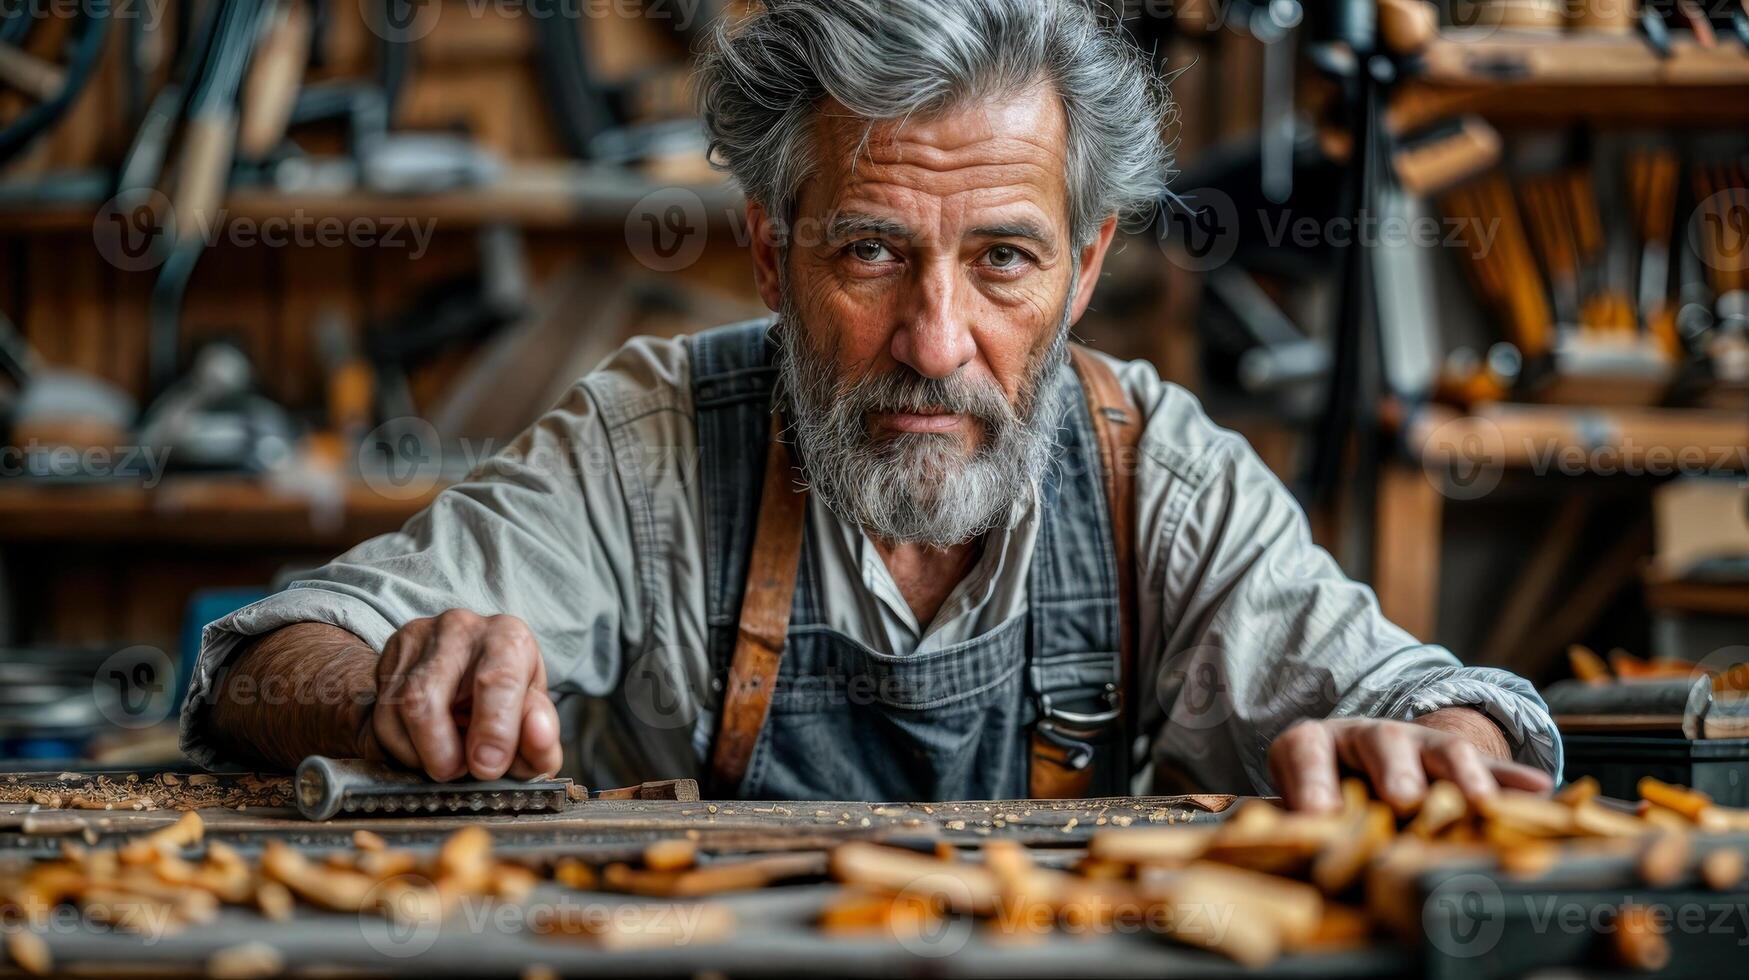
(1478, 924)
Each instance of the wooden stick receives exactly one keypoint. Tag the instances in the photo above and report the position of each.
(961, 886)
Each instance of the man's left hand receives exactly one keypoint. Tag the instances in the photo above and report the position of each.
(1398, 758)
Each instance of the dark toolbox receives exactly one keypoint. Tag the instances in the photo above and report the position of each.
(1479, 923)
(1718, 767)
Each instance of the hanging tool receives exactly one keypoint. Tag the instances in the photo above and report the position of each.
(275, 79)
(51, 86)
(1698, 23)
(1273, 23)
(1652, 176)
(1545, 211)
(578, 103)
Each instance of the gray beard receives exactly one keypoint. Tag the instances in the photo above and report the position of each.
(914, 487)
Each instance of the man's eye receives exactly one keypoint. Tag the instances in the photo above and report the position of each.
(870, 250)
(1005, 257)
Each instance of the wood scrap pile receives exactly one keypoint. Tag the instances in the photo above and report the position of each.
(1268, 882)
(153, 888)
(160, 791)
(1260, 884)
(1621, 665)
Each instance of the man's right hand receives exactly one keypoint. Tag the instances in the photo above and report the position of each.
(454, 695)
(465, 695)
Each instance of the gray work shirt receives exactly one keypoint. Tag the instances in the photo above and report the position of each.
(587, 527)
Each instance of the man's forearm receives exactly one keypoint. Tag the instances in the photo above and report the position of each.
(301, 690)
(1473, 727)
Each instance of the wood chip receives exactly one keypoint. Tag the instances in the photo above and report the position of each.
(1638, 943)
(29, 952)
(1664, 860)
(673, 854)
(1722, 868)
(245, 961)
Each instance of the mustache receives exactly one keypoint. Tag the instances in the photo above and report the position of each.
(904, 390)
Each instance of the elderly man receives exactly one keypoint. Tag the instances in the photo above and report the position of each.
(900, 541)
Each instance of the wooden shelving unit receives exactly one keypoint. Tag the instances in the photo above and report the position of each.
(1528, 77)
(533, 196)
(228, 511)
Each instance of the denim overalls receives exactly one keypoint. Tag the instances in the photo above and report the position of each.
(849, 723)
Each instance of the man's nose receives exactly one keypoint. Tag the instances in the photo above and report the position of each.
(935, 339)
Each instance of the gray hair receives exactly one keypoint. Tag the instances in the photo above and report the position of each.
(762, 80)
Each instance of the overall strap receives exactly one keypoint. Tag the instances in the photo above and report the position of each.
(755, 510)
(1117, 426)
(1083, 595)
(732, 382)
(765, 609)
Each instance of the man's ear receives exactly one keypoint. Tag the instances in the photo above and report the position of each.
(1092, 257)
(767, 274)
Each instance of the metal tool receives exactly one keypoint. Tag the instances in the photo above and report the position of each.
(1273, 23)
(327, 787)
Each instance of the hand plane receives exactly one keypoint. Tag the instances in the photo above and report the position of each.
(325, 788)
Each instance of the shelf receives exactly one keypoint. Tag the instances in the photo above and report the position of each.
(1548, 77)
(1706, 598)
(1509, 58)
(1547, 439)
(228, 511)
(531, 195)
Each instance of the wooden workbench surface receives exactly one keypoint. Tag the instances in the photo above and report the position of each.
(608, 829)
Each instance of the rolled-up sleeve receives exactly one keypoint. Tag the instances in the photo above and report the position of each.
(1255, 627)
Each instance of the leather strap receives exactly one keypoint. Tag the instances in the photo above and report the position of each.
(765, 610)
(1117, 426)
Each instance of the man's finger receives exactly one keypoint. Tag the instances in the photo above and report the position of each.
(540, 753)
(1462, 764)
(1302, 761)
(1391, 757)
(503, 667)
(1513, 775)
(385, 722)
(429, 693)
